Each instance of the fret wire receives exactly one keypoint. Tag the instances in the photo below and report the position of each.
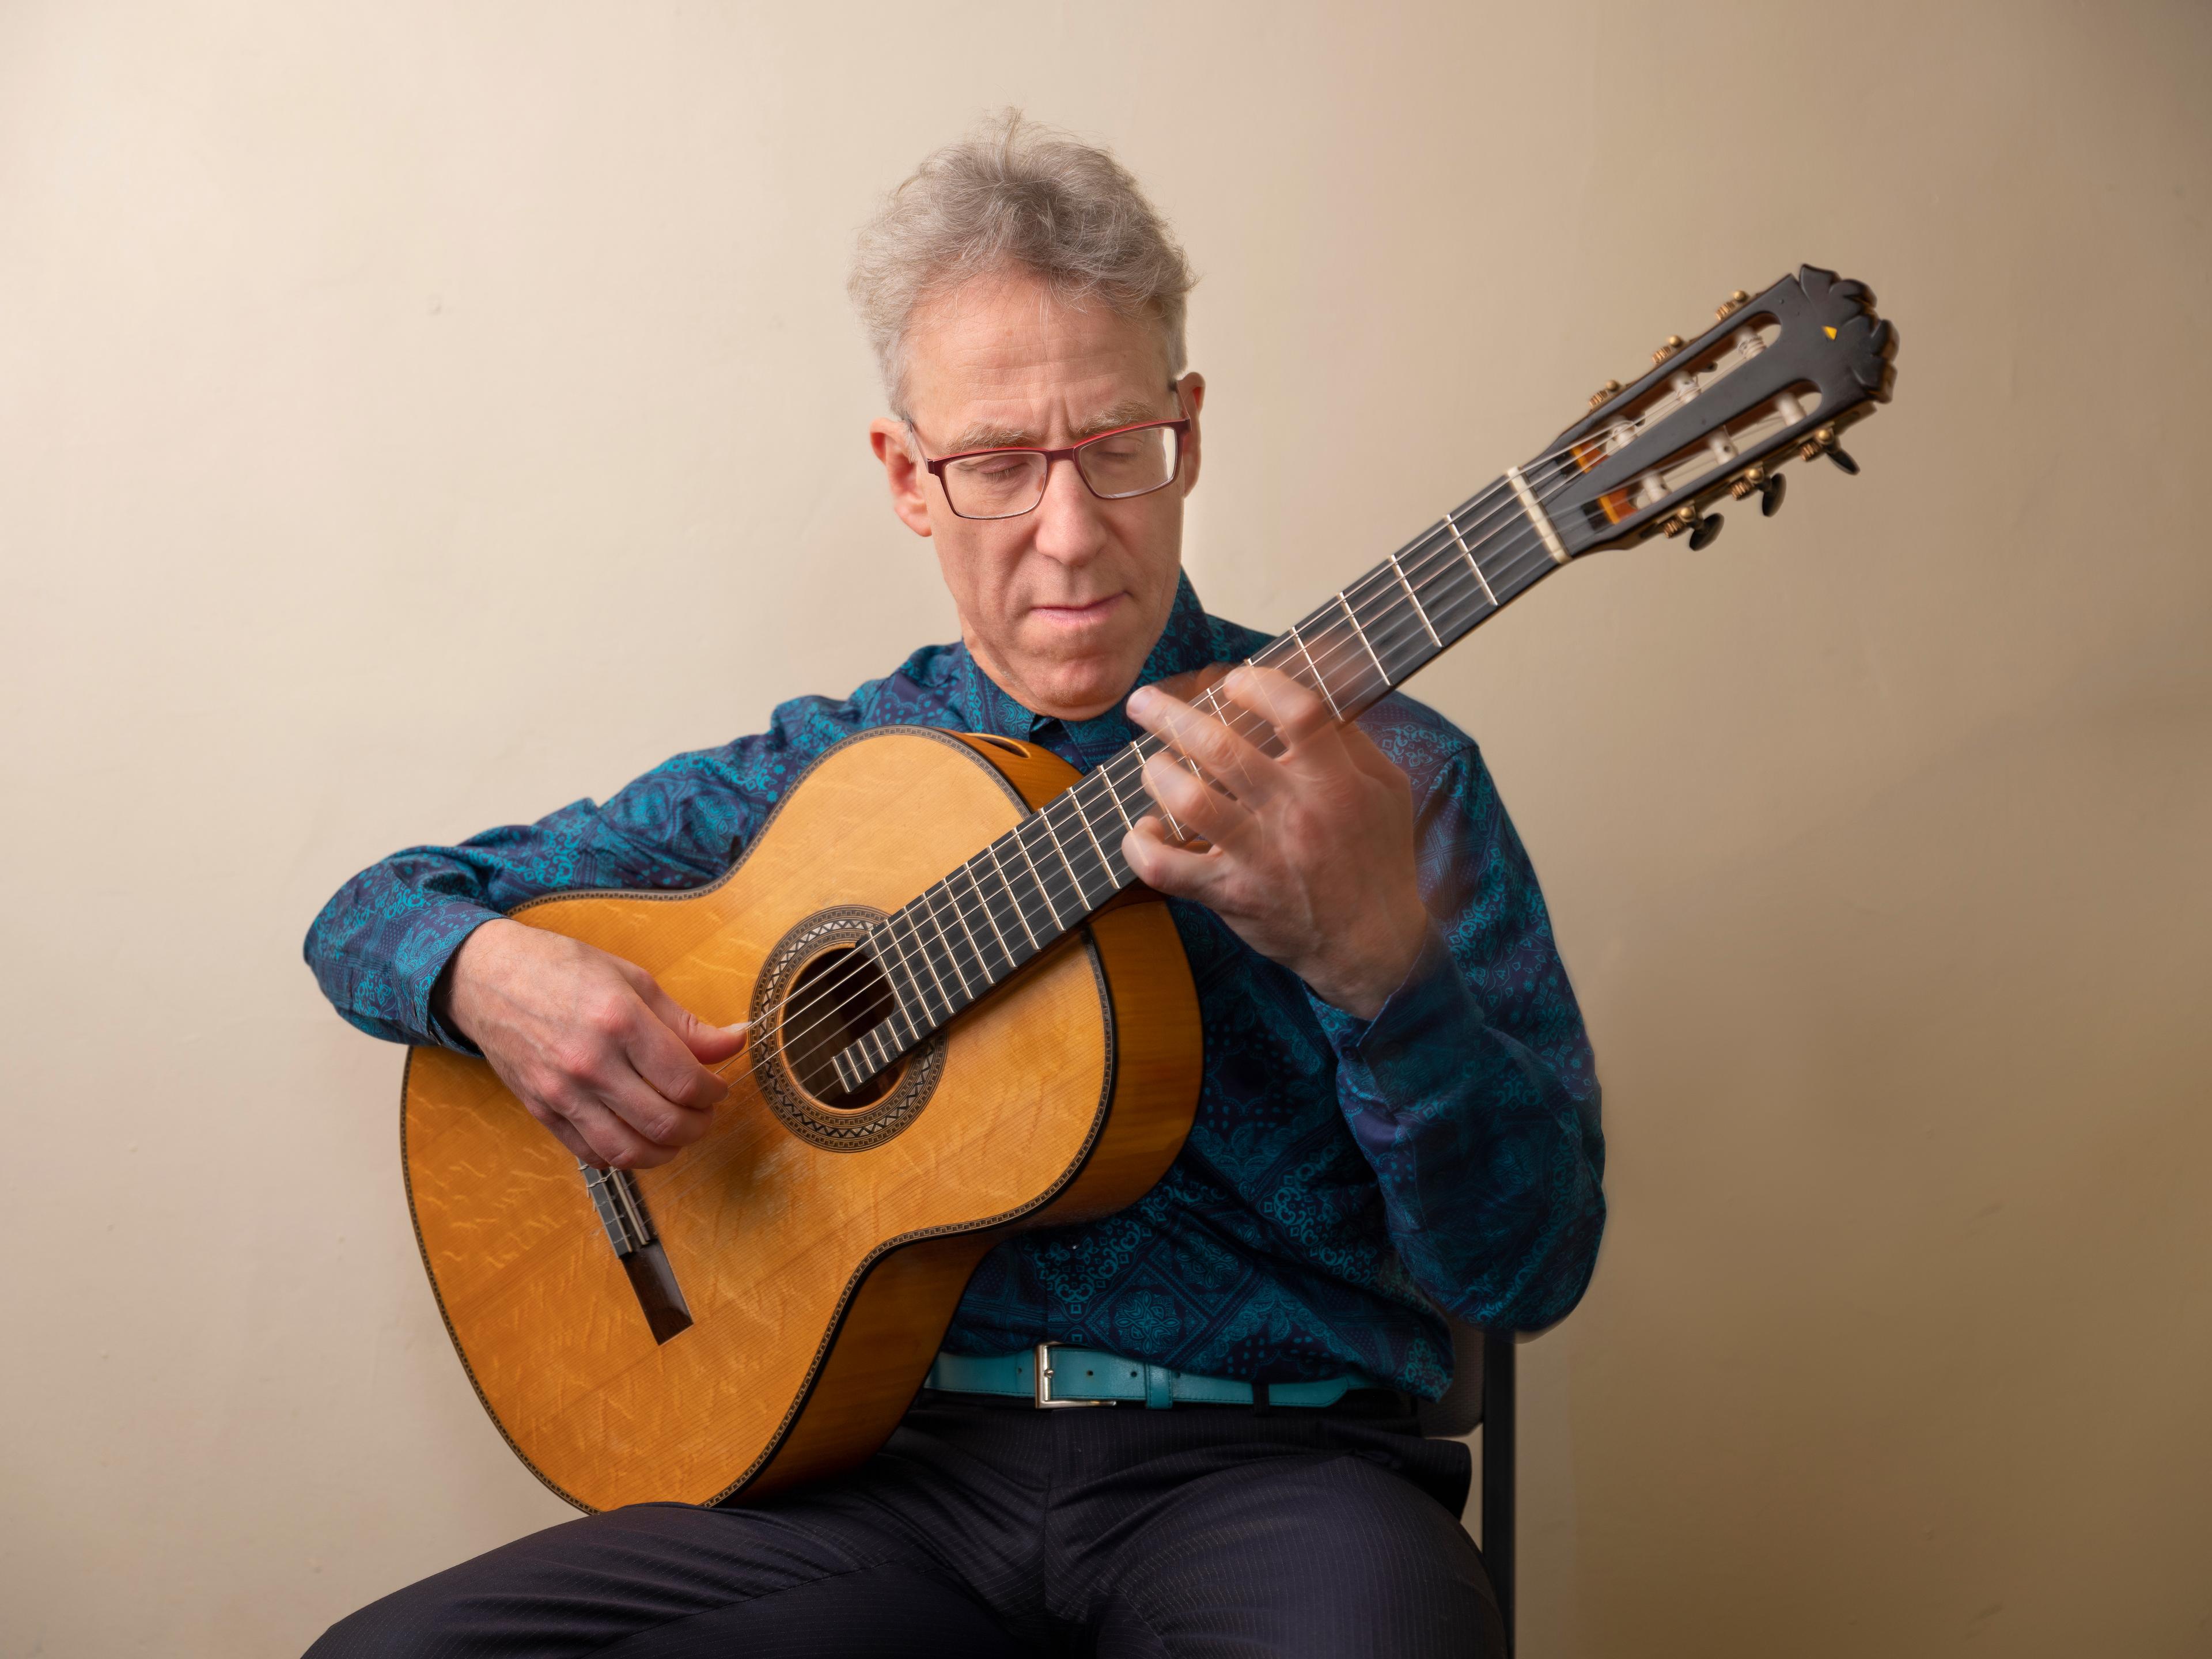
(1022, 843)
(925, 963)
(1020, 913)
(983, 902)
(1114, 794)
(1137, 748)
(1044, 816)
(913, 1030)
(943, 947)
(1353, 618)
(1451, 523)
(1320, 683)
(952, 951)
(1083, 817)
(975, 945)
(1413, 599)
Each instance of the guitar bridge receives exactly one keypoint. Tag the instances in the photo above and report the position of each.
(622, 1212)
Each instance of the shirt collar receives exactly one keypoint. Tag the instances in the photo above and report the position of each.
(1186, 643)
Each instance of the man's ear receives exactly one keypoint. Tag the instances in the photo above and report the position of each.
(1192, 390)
(903, 472)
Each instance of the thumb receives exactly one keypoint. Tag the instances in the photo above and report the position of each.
(712, 1044)
(709, 1044)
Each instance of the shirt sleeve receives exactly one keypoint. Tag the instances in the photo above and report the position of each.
(1472, 1092)
(378, 946)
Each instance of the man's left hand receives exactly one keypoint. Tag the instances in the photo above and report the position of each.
(1312, 858)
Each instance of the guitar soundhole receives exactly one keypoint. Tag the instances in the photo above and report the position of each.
(836, 998)
(814, 995)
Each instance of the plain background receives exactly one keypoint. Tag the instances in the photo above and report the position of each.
(414, 416)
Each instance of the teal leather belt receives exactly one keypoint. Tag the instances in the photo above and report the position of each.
(1051, 1374)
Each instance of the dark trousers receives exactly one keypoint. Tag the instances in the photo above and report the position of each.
(987, 1527)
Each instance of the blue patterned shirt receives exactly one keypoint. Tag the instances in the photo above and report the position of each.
(1343, 1178)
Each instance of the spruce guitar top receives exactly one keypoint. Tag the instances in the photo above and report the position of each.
(967, 1018)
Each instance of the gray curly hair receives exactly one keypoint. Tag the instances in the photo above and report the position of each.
(1016, 194)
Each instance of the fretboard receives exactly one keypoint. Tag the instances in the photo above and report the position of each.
(974, 929)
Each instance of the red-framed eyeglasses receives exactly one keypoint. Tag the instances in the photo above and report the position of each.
(1007, 482)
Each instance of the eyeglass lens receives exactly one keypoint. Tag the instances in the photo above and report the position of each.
(1005, 483)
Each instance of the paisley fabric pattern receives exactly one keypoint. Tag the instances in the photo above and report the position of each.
(1343, 1179)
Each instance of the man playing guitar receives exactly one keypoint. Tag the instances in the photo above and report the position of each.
(1399, 1112)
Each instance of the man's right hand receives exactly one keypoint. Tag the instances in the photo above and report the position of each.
(596, 1050)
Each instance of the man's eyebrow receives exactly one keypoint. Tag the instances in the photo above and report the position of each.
(1129, 412)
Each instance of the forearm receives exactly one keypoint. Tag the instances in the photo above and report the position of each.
(380, 945)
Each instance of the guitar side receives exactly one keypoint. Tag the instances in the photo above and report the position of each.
(819, 1280)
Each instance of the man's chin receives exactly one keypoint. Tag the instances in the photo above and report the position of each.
(1087, 687)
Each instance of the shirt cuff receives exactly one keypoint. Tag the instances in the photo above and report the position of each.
(1416, 1048)
(425, 951)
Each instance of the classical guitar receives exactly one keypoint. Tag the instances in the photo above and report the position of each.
(968, 1017)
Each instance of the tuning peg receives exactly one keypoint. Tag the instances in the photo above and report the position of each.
(1735, 302)
(1841, 459)
(1672, 344)
(1707, 532)
(1605, 393)
(1770, 495)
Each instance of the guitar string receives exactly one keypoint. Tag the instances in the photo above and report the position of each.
(1515, 562)
(1054, 888)
(1406, 619)
(1530, 550)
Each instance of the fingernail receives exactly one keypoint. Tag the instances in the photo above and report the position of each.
(739, 1028)
(1141, 698)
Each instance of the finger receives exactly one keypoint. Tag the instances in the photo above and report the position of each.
(564, 1132)
(610, 1143)
(664, 1123)
(1223, 754)
(655, 1046)
(1311, 734)
(1286, 704)
(1200, 810)
(1166, 868)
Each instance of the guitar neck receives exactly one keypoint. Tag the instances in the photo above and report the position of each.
(972, 930)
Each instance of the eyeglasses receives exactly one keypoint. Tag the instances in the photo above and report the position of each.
(1005, 483)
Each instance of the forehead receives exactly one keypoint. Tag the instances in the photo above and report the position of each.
(1002, 360)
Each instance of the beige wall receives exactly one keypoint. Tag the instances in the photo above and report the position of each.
(414, 416)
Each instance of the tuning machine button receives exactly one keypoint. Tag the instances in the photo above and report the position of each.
(1823, 442)
(1672, 344)
(1727, 308)
(1605, 394)
(1770, 495)
(1707, 532)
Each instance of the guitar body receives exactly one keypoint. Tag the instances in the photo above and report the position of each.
(818, 1249)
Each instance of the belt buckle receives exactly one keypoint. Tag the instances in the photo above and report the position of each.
(1043, 1381)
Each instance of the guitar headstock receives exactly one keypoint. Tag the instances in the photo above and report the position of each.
(1777, 377)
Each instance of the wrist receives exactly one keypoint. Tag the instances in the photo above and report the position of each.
(1361, 994)
(454, 998)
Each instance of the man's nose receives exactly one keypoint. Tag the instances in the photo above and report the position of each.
(1069, 527)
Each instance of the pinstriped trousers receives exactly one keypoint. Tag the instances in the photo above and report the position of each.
(987, 1528)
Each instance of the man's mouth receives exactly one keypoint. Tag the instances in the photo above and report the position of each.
(1089, 611)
